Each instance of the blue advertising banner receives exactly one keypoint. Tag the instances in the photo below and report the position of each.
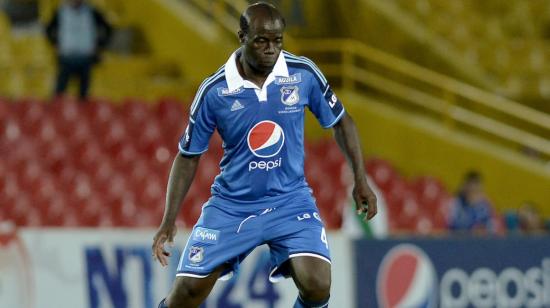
(462, 272)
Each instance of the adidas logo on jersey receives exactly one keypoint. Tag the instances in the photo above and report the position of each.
(236, 105)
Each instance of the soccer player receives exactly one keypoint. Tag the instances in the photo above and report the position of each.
(257, 102)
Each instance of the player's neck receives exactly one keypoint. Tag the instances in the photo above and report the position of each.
(250, 73)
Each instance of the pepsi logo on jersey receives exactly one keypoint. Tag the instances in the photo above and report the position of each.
(265, 139)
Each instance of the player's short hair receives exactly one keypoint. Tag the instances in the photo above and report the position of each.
(244, 20)
(472, 176)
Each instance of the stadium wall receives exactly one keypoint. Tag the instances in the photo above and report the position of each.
(418, 146)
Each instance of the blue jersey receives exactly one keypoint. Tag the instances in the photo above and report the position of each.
(262, 128)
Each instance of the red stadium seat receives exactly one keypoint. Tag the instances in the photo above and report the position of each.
(9, 187)
(428, 191)
(30, 115)
(70, 219)
(24, 213)
(46, 132)
(89, 156)
(11, 130)
(102, 173)
(124, 210)
(54, 212)
(148, 138)
(173, 117)
(151, 193)
(68, 115)
(115, 187)
(100, 114)
(381, 172)
(79, 134)
(124, 156)
(5, 109)
(136, 114)
(113, 134)
(424, 225)
(64, 99)
(81, 188)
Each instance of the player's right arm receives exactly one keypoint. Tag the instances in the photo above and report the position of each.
(194, 142)
(181, 176)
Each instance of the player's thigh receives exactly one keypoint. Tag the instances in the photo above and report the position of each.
(186, 288)
(310, 273)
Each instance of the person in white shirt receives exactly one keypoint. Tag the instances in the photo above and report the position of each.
(79, 32)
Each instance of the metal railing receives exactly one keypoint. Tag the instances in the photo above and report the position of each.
(363, 68)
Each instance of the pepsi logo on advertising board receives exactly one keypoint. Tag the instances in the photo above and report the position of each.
(407, 278)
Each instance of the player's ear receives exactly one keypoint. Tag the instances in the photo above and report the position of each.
(242, 36)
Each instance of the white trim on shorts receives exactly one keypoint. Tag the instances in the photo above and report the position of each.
(300, 254)
(191, 275)
(222, 278)
(309, 254)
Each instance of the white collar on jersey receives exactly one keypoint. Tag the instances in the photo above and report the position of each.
(235, 80)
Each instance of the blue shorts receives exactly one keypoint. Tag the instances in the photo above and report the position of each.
(227, 232)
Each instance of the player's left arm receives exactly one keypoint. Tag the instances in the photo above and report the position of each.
(329, 111)
(347, 138)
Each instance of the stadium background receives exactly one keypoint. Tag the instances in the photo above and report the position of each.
(437, 88)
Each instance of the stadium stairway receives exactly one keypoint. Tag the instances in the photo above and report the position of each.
(386, 26)
(505, 39)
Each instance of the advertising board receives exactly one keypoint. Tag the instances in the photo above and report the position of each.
(465, 272)
(46, 268)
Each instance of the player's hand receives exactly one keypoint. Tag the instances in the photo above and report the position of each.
(164, 234)
(365, 199)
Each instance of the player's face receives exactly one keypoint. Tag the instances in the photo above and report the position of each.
(474, 191)
(263, 43)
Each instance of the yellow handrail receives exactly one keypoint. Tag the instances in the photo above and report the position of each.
(430, 77)
(459, 114)
(443, 96)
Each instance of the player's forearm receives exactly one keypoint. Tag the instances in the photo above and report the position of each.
(347, 138)
(181, 176)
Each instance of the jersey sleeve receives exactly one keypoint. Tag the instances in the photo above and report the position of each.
(323, 103)
(202, 123)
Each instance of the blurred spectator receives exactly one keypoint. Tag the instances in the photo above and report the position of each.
(529, 220)
(79, 32)
(471, 210)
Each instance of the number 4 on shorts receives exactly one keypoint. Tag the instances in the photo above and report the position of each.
(324, 237)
